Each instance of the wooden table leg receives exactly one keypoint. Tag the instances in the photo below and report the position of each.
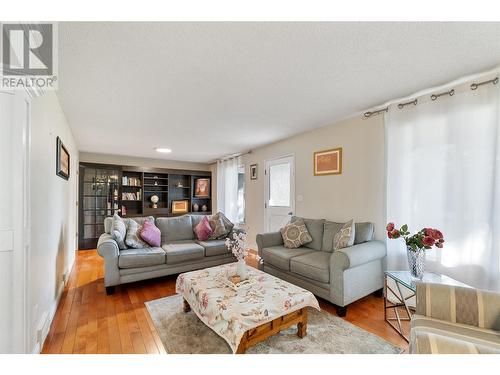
(185, 306)
(302, 325)
(242, 347)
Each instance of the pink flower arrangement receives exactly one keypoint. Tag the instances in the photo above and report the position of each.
(426, 238)
(238, 245)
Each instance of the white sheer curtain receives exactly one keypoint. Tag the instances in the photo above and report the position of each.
(227, 187)
(443, 171)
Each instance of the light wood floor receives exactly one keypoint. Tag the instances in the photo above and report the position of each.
(89, 321)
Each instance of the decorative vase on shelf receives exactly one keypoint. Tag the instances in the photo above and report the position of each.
(241, 269)
(416, 262)
(196, 208)
(204, 208)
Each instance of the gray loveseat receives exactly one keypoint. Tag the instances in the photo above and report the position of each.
(341, 276)
(179, 252)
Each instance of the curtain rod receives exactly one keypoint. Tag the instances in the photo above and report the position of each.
(473, 86)
(227, 157)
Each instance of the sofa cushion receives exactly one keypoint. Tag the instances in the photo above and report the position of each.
(133, 258)
(215, 247)
(175, 228)
(195, 219)
(451, 338)
(183, 251)
(330, 230)
(279, 256)
(363, 232)
(315, 265)
(315, 229)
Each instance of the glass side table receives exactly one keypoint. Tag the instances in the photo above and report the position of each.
(404, 281)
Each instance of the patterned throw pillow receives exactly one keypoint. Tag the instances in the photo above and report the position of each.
(119, 231)
(295, 234)
(344, 237)
(221, 226)
(133, 238)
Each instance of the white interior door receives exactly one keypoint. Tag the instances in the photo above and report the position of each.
(280, 192)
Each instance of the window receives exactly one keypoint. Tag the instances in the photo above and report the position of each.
(241, 195)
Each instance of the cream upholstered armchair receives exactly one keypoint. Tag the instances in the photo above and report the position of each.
(455, 320)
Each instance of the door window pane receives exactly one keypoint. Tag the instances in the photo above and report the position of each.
(279, 185)
(241, 195)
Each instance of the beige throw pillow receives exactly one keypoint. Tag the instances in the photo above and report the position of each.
(133, 238)
(119, 231)
(344, 237)
(221, 226)
(295, 234)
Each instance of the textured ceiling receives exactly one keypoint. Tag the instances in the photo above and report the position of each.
(210, 89)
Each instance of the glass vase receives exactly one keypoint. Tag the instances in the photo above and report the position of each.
(416, 262)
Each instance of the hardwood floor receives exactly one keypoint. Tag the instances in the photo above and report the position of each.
(89, 321)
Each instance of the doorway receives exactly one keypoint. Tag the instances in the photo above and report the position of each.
(279, 192)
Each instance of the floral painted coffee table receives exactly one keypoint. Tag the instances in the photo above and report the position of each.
(247, 315)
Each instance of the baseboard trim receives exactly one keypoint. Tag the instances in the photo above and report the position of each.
(45, 326)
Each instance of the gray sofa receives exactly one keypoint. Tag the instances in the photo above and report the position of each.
(179, 252)
(455, 320)
(341, 276)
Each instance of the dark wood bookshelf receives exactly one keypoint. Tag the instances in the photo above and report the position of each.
(99, 184)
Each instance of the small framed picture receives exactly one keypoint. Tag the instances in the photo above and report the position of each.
(253, 172)
(180, 207)
(328, 162)
(62, 160)
(202, 188)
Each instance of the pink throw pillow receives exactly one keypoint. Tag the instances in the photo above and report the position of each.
(203, 230)
(151, 234)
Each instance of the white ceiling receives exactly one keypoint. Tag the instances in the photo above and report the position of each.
(206, 90)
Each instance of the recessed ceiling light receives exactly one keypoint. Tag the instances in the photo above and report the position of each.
(163, 150)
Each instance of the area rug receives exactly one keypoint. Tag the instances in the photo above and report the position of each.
(184, 333)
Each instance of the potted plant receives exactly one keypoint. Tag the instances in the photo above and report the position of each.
(238, 246)
(416, 245)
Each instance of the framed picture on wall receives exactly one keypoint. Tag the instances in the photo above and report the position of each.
(62, 160)
(328, 162)
(253, 171)
(179, 207)
(202, 188)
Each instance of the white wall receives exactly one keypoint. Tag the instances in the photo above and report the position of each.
(141, 162)
(53, 212)
(357, 193)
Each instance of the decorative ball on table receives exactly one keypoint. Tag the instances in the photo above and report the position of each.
(154, 199)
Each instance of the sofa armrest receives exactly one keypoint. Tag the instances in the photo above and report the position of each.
(357, 255)
(268, 239)
(108, 249)
(479, 308)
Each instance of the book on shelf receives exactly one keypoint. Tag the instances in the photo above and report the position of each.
(132, 196)
(131, 181)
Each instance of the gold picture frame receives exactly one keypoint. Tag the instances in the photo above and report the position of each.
(327, 162)
(180, 207)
